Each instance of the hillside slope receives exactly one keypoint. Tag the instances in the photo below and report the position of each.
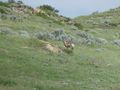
(26, 63)
(108, 19)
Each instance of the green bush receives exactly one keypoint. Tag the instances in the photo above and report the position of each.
(79, 25)
(49, 8)
(4, 4)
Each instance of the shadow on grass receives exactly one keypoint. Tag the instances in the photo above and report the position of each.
(8, 82)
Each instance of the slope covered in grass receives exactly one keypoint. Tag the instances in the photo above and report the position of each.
(108, 19)
(26, 65)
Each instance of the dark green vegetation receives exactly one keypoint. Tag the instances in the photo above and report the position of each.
(25, 65)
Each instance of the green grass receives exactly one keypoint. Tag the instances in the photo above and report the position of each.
(34, 68)
(25, 65)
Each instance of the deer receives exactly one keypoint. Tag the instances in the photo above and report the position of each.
(68, 44)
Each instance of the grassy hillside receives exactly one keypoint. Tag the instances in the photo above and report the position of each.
(108, 19)
(25, 64)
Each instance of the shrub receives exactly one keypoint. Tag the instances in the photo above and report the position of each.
(7, 31)
(58, 35)
(116, 42)
(15, 18)
(118, 35)
(5, 10)
(4, 4)
(74, 28)
(24, 34)
(49, 8)
(61, 35)
(79, 25)
(88, 39)
(11, 17)
(44, 36)
(3, 16)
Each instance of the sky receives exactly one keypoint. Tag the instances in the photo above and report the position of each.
(73, 8)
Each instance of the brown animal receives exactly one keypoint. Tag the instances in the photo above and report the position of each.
(52, 48)
(69, 44)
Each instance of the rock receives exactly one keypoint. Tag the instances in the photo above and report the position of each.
(24, 34)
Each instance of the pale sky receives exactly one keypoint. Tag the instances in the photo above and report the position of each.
(73, 8)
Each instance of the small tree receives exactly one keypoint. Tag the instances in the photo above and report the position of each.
(49, 8)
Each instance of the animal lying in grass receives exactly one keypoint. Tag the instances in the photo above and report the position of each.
(52, 48)
(69, 44)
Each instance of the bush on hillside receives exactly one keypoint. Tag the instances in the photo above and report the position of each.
(46, 11)
(3, 16)
(116, 42)
(58, 35)
(78, 25)
(7, 31)
(4, 4)
(4, 10)
(11, 17)
(118, 35)
(49, 8)
(74, 28)
(23, 34)
(15, 18)
(89, 39)
(44, 36)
